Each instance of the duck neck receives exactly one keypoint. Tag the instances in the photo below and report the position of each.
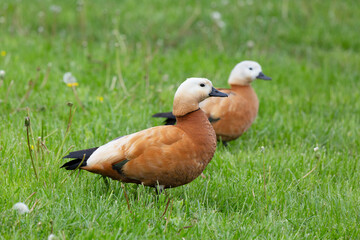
(236, 86)
(245, 89)
(184, 106)
(197, 125)
(190, 118)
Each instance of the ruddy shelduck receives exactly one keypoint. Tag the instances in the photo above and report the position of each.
(163, 156)
(232, 116)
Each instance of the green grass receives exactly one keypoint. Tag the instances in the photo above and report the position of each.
(309, 48)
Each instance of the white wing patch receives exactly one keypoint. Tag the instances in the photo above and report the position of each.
(109, 151)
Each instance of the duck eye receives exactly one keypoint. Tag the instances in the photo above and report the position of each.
(202, 85)
(250, 68)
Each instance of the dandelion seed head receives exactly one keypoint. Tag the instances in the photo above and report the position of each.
(55, 8)
(262, 149)
(2, 73)
(52, 237)
(69, 78)
(250, 44)
(216, 15)
(21, 208)
(316, 149)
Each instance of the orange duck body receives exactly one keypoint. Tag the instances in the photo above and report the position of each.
(233, 115)
(166, 155)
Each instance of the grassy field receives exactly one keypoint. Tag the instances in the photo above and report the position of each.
(128, 58)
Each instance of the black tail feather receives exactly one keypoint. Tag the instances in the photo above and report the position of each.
(79, 156)
(73, 164)
(80, 153)
(164, 115)
(170, 118)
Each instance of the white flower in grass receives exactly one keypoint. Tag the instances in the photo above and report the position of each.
(316, 149)
(262, 149)
(216, 16)
(2, 74)
(52, 237)
(55, 8)
(22, 208)
(70, 80)
(250, 44)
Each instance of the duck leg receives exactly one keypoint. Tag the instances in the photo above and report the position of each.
(159, 189)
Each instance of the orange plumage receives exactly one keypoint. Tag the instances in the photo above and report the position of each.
(167, 156)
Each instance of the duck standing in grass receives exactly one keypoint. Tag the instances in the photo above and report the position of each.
(163, 156)
(231, 116)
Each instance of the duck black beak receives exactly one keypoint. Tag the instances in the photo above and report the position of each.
(263, 76)
(217, 93)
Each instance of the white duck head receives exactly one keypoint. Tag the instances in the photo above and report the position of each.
(191, 92)
(245, 72)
